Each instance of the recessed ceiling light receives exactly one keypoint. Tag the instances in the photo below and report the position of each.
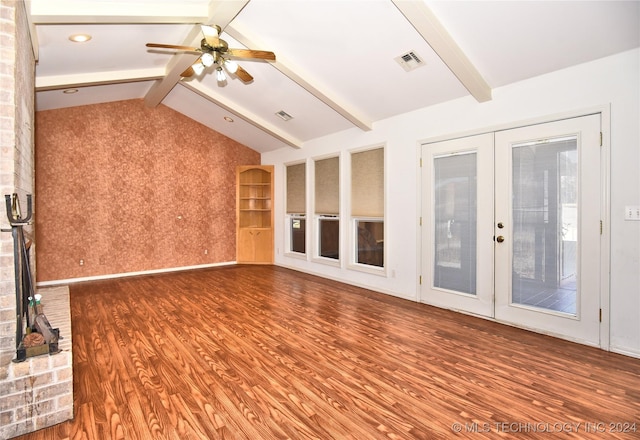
(70, 91)
(228, 119)
(80, 38)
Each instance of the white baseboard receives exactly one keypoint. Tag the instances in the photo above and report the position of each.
(129, 274)
(625, 351)
(350, 282)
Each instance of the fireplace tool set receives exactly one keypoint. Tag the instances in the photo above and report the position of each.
(34, 334)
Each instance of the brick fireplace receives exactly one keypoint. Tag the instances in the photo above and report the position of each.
(37, 392)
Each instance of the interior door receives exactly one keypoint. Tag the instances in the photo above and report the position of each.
(547, 228)
(457, 223)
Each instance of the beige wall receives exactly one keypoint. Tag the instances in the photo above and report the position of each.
(126, 188)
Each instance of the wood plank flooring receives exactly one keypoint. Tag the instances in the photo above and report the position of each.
(261, 352)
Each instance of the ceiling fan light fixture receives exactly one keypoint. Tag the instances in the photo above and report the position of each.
(220, 76)
(198, 68)
(214, 51)
(231, 66)
(207, 59)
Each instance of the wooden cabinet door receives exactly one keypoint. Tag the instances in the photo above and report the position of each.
(255, 245)
(263, 242)
(245, 251)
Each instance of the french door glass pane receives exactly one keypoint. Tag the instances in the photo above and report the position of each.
(455, 222)
(545, 224)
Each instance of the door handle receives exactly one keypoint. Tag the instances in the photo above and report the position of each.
(499, 238)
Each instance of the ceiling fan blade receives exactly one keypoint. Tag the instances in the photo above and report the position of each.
(244, 75)
(248, 53)
(211, 34)
(173, 46)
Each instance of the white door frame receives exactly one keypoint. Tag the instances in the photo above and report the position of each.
(605, 200)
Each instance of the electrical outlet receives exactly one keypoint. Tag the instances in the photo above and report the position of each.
(81, 262)
(632, 213)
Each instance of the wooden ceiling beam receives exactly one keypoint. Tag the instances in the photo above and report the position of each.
(58, 82)
(131, 11)
(434, 33)
(304, 80)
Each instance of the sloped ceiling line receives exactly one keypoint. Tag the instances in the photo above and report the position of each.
(243, 113)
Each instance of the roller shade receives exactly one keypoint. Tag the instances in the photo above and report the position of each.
(296, 201)
(367, 183)
(327, 181)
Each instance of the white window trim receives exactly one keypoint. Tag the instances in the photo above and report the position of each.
(316, 250)
(314, 228)
(353, 245)
(352, 235)
(287, 236)
(287, 216)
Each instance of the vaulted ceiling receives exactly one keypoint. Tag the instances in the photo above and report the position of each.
(339, 63)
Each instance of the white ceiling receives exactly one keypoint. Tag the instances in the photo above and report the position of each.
(335, 65)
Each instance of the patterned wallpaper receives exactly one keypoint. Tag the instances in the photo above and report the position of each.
(127, 188)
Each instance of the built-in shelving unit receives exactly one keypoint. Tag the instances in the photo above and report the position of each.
(254, 214)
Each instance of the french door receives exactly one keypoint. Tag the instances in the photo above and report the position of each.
(511, 226)
(457, 224)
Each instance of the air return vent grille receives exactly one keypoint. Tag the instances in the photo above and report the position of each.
(284, 115)
(410, 61)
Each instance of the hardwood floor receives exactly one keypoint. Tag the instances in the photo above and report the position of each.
(261, 352)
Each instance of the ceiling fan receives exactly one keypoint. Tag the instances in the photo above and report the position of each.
(215, 51)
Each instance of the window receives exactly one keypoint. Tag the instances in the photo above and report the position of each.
(296, 208)
(367, 206)
(327, 207)
(370, 241)
(298, 234)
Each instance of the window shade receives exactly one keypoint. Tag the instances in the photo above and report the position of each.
(327, 177)
(296, 201)
(367, 183)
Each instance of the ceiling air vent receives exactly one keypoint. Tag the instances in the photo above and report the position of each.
(284, 115)
(409, 61)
